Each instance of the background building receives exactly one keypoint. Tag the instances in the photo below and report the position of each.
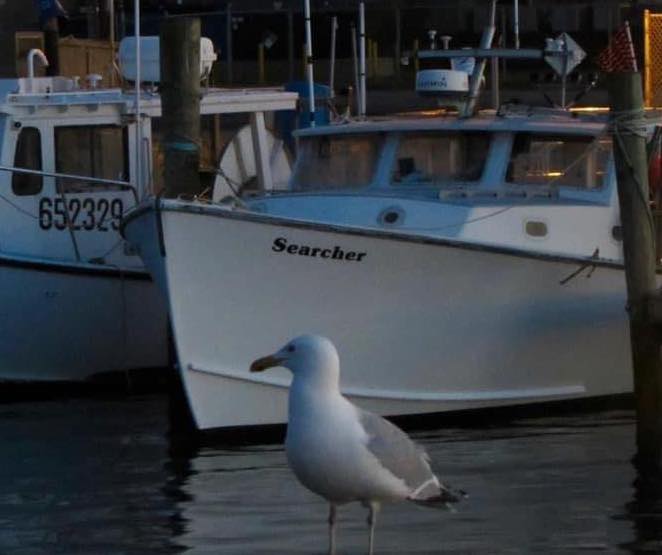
(393, 26)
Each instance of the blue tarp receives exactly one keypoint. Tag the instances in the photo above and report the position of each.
(49, 9)
(289, 120)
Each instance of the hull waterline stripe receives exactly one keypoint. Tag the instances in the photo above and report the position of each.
(450, 396)
(87, 270)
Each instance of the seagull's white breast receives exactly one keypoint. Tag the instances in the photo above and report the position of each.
(326, 449)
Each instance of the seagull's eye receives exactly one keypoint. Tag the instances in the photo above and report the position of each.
(291, 348)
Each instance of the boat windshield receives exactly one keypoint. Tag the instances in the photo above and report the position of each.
(336, 161)
(569, 161)
(435, 158)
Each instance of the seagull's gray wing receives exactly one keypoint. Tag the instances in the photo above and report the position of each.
(401, 456)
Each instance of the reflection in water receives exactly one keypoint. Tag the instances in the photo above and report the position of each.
(84, 476)
(645, 512)
(100, 476)
(537, 486)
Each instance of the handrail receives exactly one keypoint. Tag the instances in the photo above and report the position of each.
(486, 53)
(124, 184)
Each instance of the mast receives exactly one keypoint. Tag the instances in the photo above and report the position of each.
(139, 149)
(362, 92)
(309, 64)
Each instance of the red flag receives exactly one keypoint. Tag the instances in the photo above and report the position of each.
(619, 56)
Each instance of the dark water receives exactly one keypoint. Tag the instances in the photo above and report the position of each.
(100, 477)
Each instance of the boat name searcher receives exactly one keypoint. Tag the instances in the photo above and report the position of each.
(281, 244)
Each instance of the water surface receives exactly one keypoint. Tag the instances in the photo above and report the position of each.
(101, 476)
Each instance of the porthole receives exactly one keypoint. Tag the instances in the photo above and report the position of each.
(536, 228)
(392, 216)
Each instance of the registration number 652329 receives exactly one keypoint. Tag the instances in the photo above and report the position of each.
(88, 214)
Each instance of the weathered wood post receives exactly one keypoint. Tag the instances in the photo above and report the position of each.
(629, 140)
(180, 105)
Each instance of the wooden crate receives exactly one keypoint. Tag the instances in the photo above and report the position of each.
(77, 57)
(24, 41)
(84, 56)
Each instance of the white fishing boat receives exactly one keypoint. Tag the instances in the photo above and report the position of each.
(76, 298)
(456, 262)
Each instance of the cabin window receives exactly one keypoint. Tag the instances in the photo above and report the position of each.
(569, 161)
(440, 158)
(91, 151)
(27, 156)
(336, 162)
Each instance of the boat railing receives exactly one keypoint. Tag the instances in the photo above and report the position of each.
(123, 185)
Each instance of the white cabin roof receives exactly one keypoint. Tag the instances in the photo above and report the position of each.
(14, 99)
(546, 121)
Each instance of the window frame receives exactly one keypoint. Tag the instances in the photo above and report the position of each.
(555, 181)
(450, 181)
(80, 186)
(17, 179)
(309, 186)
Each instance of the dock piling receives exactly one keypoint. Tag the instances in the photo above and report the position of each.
(180, 105)
(629, 145)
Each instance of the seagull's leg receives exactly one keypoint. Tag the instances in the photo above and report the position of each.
(372, 520)
(332, 529)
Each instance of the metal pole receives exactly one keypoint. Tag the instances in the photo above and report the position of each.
(362, 103)
(309, 64)
(397, 53)
(357, 82)
(494, 78)
(332, 55)
(111, 21)
(516, 22)
(290, 43)
(648, 83)
(479, 70)
(564, 75)
(228, 40)
(139, 134)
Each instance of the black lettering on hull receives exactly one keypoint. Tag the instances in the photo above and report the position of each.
(282, 245)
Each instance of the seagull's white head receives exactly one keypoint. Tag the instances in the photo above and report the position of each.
(309, 356)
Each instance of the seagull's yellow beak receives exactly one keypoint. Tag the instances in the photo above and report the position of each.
(263, 363)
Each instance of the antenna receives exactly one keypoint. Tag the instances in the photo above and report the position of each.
(309, 64)
(136, 29)
(516, 22)
(362, 103)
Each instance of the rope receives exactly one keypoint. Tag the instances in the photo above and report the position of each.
(19, 208)
(632, 123)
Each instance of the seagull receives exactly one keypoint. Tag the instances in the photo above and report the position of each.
(341, 452)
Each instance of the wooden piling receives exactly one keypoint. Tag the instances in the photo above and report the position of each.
(261, 77)
(51, 32)
(626, 106)
(180, 104)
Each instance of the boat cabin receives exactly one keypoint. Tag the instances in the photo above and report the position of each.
(68, 161)
(531, 179)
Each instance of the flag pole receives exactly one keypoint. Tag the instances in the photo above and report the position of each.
(139, 146)
(633, 56)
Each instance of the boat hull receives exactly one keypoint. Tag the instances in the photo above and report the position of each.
(422, 326)
(70, 323)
